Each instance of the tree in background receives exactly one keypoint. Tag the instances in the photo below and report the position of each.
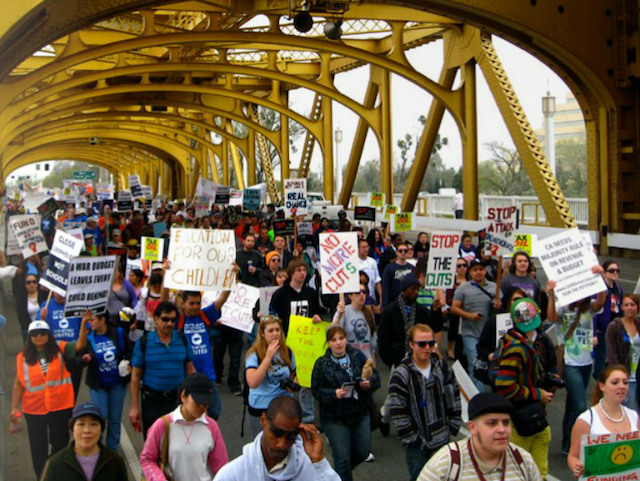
(571, 167)
(503, 173)
(64, 169)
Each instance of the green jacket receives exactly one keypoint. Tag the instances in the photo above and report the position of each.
(63, 466)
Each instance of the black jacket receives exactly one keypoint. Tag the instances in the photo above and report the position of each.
(307, 303)
(63, 466)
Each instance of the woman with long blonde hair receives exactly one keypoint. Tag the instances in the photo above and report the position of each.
(270, 370)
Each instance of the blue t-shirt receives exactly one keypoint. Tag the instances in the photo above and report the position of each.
(197, 332)
(163, 364)
(63, 329)
(269, 389)
(106, 356)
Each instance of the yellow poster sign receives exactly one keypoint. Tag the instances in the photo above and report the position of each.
(523, 243)
(390, 209)
(402, 222)
(152, 249)
(376, 199)
(308, 343)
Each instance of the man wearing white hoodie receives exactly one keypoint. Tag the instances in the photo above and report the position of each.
(285, 450)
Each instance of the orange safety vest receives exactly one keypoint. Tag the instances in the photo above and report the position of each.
(43, 394)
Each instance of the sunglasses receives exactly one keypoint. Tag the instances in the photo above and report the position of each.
(423, 344)
(275, 259)
(281, 433)
(31, 282)
(460, 266)
(613, 271)
(402, 250)
(168, 319)
(39, 332)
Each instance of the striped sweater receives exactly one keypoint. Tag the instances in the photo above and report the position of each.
(519, 370)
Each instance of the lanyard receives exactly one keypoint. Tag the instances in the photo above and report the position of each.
(477, 468)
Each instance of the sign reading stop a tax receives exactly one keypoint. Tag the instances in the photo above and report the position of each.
(338, 262)
(500, 233)
(443, 255)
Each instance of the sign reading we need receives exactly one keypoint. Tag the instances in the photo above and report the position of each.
(338, 262)
(443, 255)
(610, 457)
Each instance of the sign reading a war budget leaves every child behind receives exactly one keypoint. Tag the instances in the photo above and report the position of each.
(237, 311)
(308, 343)
(443, 256)
(610, 457)
(295, 197)
(89, 285)
(64, 249)
(567, 259)
(201, 260)
(28, 234)
(338, 262)
(503, 222)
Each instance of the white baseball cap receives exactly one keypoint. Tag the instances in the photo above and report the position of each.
(38, 325)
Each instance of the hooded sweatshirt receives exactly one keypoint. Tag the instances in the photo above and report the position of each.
(251, 466)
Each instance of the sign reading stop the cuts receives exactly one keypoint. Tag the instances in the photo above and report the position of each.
(443, 254)
(338, 262)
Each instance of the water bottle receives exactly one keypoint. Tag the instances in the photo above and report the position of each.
(15, 422)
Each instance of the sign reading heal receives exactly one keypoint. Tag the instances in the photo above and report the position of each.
(152, 249)
(376, 199)
(64, 249)
(237, 311)
(89, 285)
(338, 262)
(201, 260)
(364, 213)
(402, 222)
(443, 256)
(28, 234)
(567, 259)
(502, 223)
(610, 457)
(308, 343)
(295, 197)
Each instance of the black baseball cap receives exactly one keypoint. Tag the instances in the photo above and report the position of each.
(475, 263)
(488, 403)
(200, 387)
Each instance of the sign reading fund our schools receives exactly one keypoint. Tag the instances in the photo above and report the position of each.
(28, 234)
(237, 311)
(338, 262)
(567, 259)
(295, 197)
(201, 260)
(503, 222)
(64, 249)
(89, 285)
(443, 256)
(610, 457)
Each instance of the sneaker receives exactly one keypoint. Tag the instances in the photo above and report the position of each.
(236, 391)
(370, 459)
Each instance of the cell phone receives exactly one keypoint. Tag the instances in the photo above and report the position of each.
(349, 387)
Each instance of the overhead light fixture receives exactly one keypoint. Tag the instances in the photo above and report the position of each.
(303, 22)
(333, 30)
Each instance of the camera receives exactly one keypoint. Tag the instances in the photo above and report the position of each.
(290, 385)
(553, 381)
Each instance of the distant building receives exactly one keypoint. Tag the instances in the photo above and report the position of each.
(569, 122)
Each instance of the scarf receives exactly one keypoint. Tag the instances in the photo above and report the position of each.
(408, 317)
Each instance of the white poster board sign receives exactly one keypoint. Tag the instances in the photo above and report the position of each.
(266, 293)
(467, 388)
(135, 186)
(567, 259)
(236, 197)
(443, 255)
(502, 224)
(207, 188)
(89, 285)
(339, 262)
(295, 197)
(305, 228)
(63, 250)
(237, 311)
(28, 234)
(503, 324)
(201, 260)
(13, 248)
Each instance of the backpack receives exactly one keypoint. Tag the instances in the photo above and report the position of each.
(455, 470)
(214, 332)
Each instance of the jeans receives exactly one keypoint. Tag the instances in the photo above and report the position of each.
(233, 339)
(111, 401)
(154, 406)
(536, 445)
(254, 424)
(600, 359)
(308, 405)
(385, 410)
(632, 397)
(44, 429)
(470, 345)
(3, 321)
(216, 406)
(350, 445)
(416, 459)
(577, 378)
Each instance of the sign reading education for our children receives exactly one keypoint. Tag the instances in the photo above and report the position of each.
(152, 249)
(201, 260)
(295, 197)
(402, 222)
(308, 343)
(376, 199)
(237, 311)
(610, 457)
(338, 262)
(28, 234)
(443, 255)
(567, 259)
(89, 285)
(503, 222)
(64, 249)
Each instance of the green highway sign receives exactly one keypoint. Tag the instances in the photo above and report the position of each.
(84, 174)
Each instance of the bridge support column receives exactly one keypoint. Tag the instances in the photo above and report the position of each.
(470, 144)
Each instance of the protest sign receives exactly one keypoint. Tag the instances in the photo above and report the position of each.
(28, 234)
(402, 222)
(525, 243)
(307, 341)
(376, 199)
(283, 227)
(48, 208)
(207, 188)
(567, 259)
(33, 200)
(252, 199)
(467, 388)
(223, 195)
(610, 457)
(338, 262)
(89, 285)
(135, 186)
(130, 265)
(235, 197)
(305, 228)
(237, 311)
(503, 222)
(77, 233)
(76, 186)
(388, 210)
(104, 191)
(203, 204)
(364, 213)
(266, 293)
(159, 228)
(13, 248)
(295, 197)
(201, 260)
(64, 249)
(146, 193)
(443, 255)
(125, 201)
(503, 324)
(152, 249)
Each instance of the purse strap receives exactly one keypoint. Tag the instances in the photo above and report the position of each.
(164, 457)
(573, 327)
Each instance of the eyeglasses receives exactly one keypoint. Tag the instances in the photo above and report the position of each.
(31, 282)
(168, 319)
(613, 271)
(423, 344)
(402, 251)
(39, 332)
(460, 266)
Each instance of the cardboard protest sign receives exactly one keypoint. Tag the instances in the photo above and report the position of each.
(223, 195)
(13, 248)
(610, 457)
(202, 204)
(467, 388)
(266, 293)
(146, 193)
(64, 249)
(235, 197)
(89, 285)
(388, 210)
(503, 324)
(104, 191)
(305, 228)
(48, 208)
(307, 341)
(28, 234)
(376, 199)
(567, 259)
(159, 228)
(295, 197)
(125, 201)
(237, 311)
(283, 227)
(252, 199)
(503, 222)
(402, 222)
(364, 213)
(443, 255)
(135, 186)
(339, 262)
(525, 243)
(152, 249)
(201, 260)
